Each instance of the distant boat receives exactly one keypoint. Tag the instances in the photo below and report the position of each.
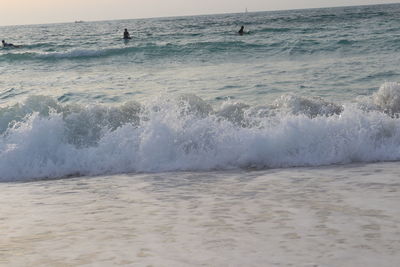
(79, 21)
(246, 11)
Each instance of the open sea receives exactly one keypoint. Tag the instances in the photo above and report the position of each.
(192, 145)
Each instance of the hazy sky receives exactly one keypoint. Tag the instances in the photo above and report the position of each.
(14, 12)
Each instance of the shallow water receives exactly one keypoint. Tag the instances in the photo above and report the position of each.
(326, 216)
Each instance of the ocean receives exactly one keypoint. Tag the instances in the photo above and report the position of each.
(192, 145)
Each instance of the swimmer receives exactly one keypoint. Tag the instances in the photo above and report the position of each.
(9, 44)
(241, 31)
(126, 35)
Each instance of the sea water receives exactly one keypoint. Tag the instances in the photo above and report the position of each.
(191, 145)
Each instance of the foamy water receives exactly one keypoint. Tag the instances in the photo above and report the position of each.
(44, 139)
(327, 216)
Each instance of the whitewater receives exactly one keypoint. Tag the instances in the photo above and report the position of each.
(191, 145)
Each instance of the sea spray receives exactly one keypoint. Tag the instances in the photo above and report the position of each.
(186, 133)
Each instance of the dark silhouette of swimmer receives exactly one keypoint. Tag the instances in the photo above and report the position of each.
(241, 31)
(126, 34)
(9, 44)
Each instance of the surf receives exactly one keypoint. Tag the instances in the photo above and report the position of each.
(42, 138)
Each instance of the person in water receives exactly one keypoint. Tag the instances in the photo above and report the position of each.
(241, 31)
(126, 34)
(8, 44)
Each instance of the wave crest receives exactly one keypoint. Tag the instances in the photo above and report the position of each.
(388, 97)
(42, 138)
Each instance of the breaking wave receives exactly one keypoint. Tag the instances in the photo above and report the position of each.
(42, 138)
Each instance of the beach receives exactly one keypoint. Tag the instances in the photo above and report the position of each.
(326, 216)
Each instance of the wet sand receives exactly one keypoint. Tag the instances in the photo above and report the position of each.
(325, 216)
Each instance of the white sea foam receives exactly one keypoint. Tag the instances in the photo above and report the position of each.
(388, 97)
(46, 139)
(78, 53)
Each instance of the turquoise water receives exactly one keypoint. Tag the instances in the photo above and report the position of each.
(337, 53)
(303, 88)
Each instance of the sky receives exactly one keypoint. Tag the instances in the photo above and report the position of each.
(17, 12)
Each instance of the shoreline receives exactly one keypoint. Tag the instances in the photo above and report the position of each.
(325, 216)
